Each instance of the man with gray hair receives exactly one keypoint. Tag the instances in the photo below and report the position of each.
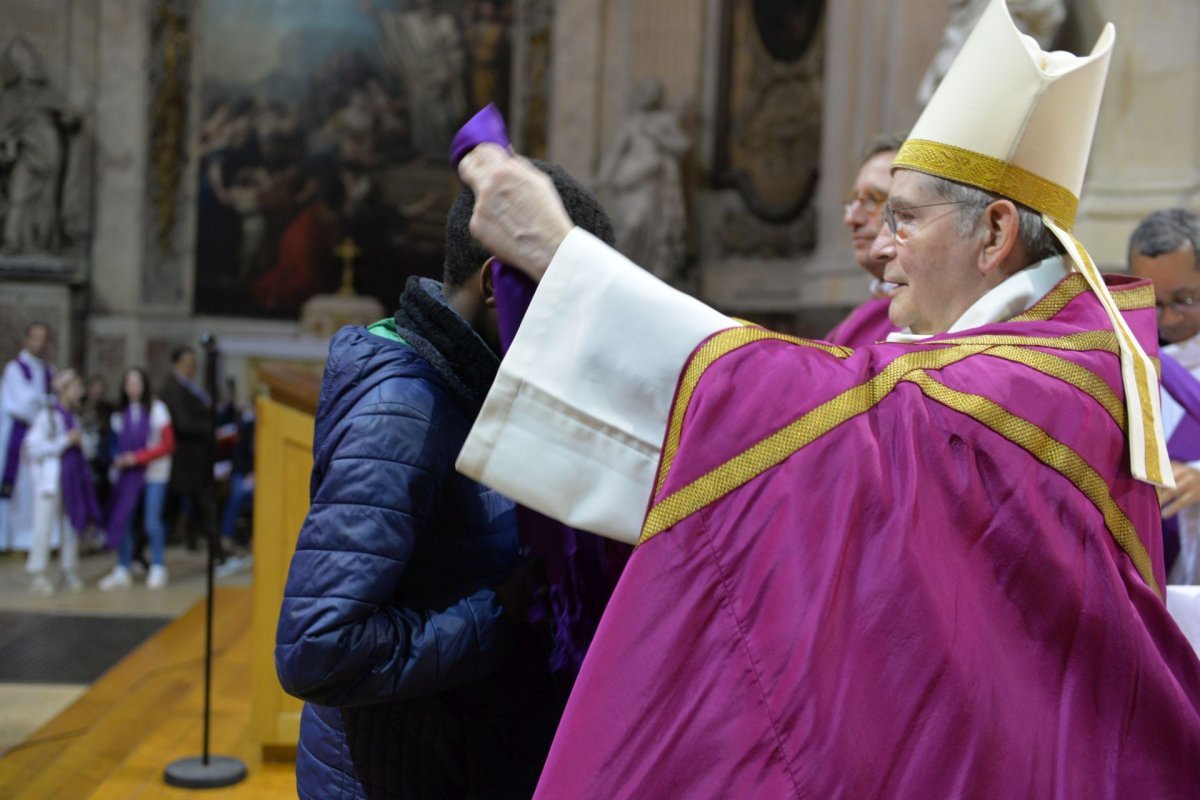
(927, 567)
(1165, 248)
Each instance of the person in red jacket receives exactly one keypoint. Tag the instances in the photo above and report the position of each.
(145, 442)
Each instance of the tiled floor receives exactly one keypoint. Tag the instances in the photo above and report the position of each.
(24, 707)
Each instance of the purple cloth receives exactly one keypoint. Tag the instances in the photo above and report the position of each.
(908, 604)
(486, 126)
(128, 488)
(581, 569)
(78, 490)
(1184, 444)
(12, 457)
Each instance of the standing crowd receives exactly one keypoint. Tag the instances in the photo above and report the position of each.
(80, 469)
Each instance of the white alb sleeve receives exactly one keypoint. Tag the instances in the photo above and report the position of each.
(574, 423)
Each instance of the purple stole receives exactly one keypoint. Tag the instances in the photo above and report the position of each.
(16, 436)
(78, 490)
(581, 569)
(128, 488)
(907, 570)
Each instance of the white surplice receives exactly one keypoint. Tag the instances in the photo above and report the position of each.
(21, 399)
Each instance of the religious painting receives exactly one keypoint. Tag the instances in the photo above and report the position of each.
(769, 105)
(325, 130)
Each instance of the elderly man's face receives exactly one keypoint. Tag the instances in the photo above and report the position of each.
(1176, 290)
(934, 265)
(37, 340)
(863, 213)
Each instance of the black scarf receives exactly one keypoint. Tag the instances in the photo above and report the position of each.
(443, 338)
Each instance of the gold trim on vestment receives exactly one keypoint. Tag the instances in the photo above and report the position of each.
(1134, 299)
(719, 344)
(1105, 341)
(1054, 454)
(991, 174)
(777, 447)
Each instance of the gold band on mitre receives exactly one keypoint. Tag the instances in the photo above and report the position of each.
(991, 174)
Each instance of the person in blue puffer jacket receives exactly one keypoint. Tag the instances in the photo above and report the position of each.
(402, 626)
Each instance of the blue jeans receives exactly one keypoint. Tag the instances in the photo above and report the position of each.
(154, 496)
(239, 495)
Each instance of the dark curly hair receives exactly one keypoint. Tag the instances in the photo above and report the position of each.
(465, 255)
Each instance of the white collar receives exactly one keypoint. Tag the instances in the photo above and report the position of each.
(1014, 295)
(1186, 352)
(880, 288)
(25, 354)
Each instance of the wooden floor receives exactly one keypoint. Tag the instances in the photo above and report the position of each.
(114, 742)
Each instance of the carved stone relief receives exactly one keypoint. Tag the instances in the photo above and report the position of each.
(44, 169)
(770, 104)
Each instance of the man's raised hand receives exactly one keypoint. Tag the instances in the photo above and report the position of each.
(518, 216)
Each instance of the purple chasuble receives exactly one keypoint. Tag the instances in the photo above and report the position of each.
(78, 490)
(581, 569)
(867, 324)
(128, 488)
(908, 571)
(16, 436)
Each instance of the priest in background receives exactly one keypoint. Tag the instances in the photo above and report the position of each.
(863, 217)
(24, 391)
(1165, 248)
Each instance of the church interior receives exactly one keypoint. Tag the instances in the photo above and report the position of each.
(242, 178)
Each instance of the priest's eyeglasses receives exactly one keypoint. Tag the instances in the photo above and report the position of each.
(869, 202)
(1184, 304)
(902, 223)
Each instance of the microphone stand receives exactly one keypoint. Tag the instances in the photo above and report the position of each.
(207, 771)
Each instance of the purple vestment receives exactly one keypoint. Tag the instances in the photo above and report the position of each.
(905, 571)
(128, 488)
(867, 324)
(78, 490)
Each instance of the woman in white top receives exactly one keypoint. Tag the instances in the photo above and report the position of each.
(144, 443)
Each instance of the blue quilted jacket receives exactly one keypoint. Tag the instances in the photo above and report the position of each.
(417, 684)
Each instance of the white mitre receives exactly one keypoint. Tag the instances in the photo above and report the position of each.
(1013, 119)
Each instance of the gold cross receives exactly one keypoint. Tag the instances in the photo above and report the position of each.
(347, 251)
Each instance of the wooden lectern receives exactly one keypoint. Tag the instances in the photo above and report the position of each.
(282, 466)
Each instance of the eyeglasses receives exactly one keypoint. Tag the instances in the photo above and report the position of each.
(902, 224)
(1180, 305)
(870, 202)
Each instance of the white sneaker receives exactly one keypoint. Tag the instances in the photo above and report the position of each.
(72, 583)
(233, 565)
(157, 578)
(119, 578)
(41, 585)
